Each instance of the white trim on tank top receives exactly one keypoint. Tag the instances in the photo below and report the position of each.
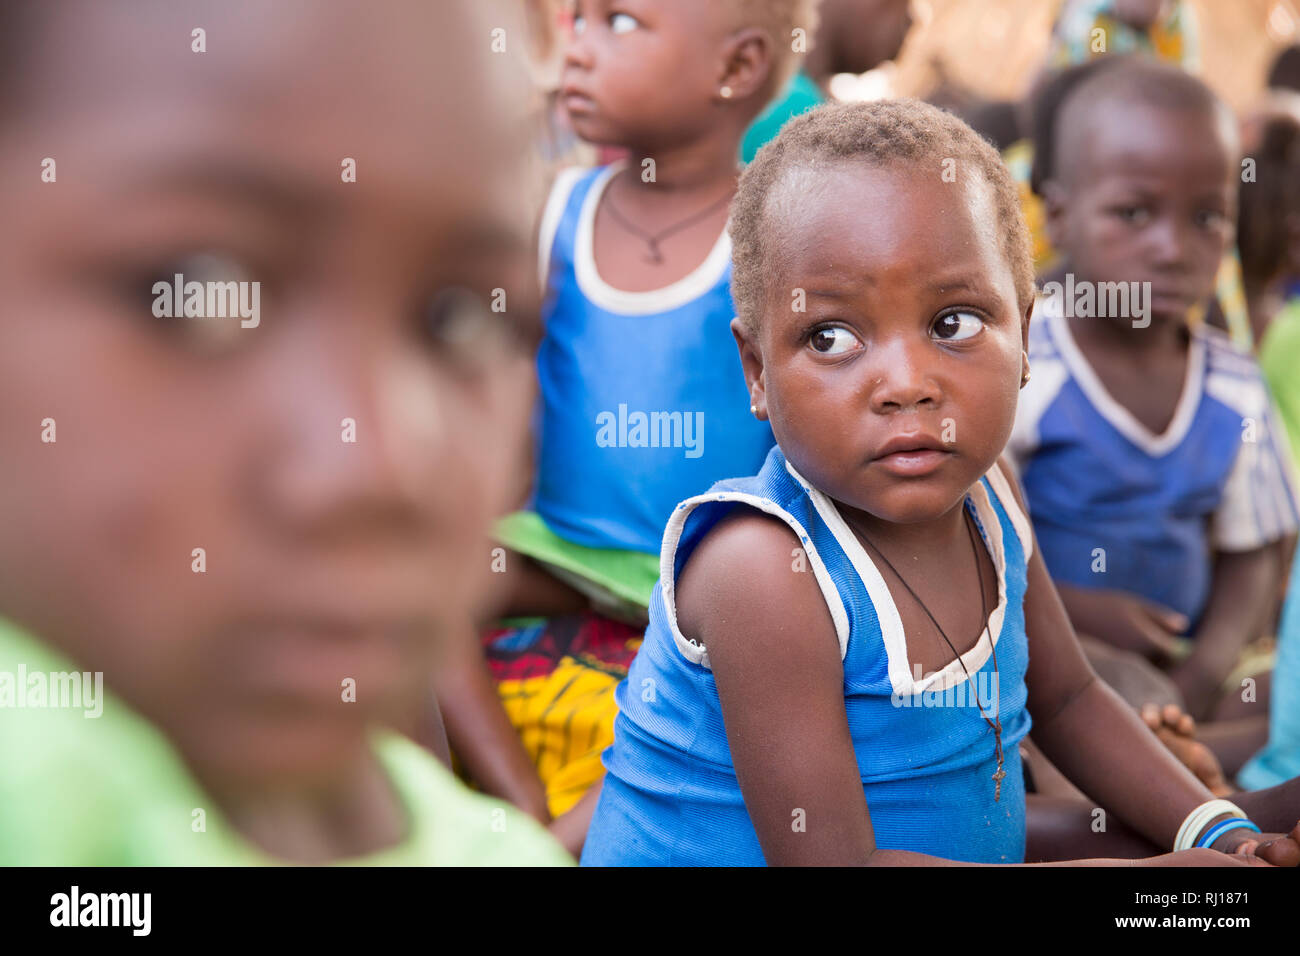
(1120, 418)
(901, 677)
(893, 637)
(561, 190)
(674, 295)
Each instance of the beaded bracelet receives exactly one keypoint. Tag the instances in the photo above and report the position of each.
(1202, 815)
(1222, 827)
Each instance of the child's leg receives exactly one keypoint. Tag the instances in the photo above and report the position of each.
(571, 827)
(1275, 809)
(1047, 780)
(1131, 676)
(1239, 700)
(1060, 828)
(1234, 742)
(528, 590)
(480, 733)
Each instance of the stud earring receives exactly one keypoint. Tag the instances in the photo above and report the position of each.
(725, 92)
(753, 410)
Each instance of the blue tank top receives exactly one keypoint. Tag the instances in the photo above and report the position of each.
(924, 752)
(643, 400)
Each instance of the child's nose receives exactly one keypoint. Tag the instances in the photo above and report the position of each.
(363, 459)
(1170, 240)
(577, 51)
(901, 379)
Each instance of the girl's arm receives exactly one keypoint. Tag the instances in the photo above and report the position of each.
(776, 662)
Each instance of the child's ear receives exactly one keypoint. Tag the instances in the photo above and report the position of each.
(747, 62)
(1056, 212)
(1024, 325)
(751, 360)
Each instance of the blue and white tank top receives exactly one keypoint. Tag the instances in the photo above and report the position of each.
(1117, 506)
(643, 399)
(924, 751)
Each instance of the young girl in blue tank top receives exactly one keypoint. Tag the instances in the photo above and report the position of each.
(846, 649)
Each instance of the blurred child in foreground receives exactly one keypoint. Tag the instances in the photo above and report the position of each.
(250, 528)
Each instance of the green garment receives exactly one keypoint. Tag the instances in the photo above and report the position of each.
(618, 582)
(78, 789)
(1279, 357)
(799, 96)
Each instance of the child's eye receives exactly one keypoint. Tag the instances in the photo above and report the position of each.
(956, 326)
(622, 23)
(462, 327)
(834, 341)
(207, 300)
(1211, 219)
(1133, 215)
(579, 24)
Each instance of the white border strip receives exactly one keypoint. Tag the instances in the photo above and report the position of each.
(695, 652)
(556, 202)
(691, 286)
(1120, 417)
(892, 634)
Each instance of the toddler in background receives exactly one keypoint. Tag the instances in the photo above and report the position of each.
(642, 400)
(1155, 472)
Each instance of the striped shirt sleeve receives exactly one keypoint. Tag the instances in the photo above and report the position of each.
(1259, 504)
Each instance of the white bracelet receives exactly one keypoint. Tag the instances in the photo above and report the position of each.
(1196, 821)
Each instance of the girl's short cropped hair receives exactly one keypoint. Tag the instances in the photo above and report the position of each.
(907, 133)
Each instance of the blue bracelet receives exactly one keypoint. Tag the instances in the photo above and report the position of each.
(1222, 827)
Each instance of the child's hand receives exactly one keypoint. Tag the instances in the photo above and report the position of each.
(1278, 849)
(1138, 625)
(1204, 857)
(1177, 731)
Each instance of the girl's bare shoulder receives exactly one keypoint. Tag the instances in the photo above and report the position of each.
(749, 570)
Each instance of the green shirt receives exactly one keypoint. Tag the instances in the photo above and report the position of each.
(799, 96)
(78, 789)
(1279, 357)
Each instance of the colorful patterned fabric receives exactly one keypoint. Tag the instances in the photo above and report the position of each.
(1088, 28)
(556, 679)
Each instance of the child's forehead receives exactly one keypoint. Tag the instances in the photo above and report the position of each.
(872, 210)
(284, 90)
(1134, 136)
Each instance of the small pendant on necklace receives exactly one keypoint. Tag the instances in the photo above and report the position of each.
(654, 255)
(997, 780)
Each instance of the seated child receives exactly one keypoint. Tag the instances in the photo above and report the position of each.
(1154, 471)
(846, 649)
(642, 397)
(219, 608)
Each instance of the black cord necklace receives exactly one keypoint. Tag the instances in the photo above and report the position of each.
(652, 240)
(996, 723)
